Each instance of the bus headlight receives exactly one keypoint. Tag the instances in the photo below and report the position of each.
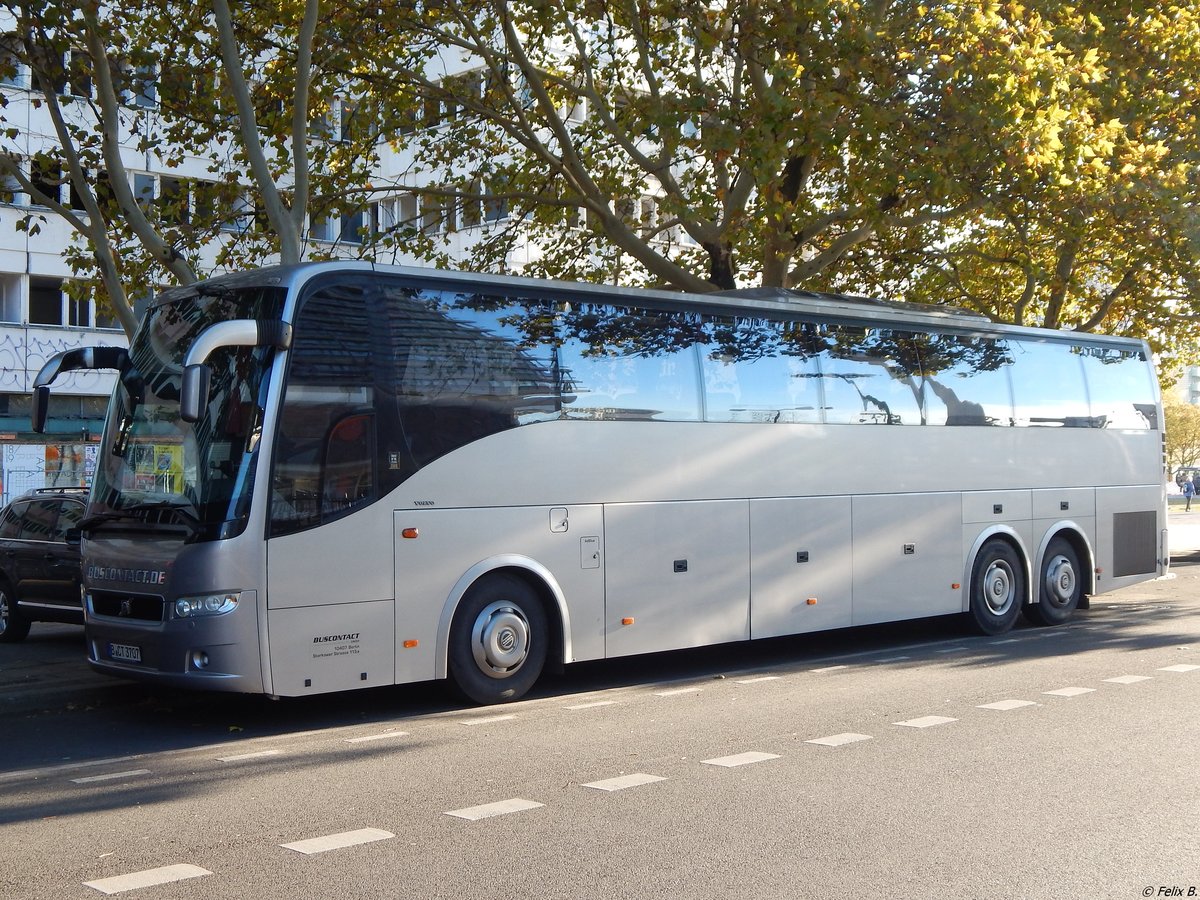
(205, 605)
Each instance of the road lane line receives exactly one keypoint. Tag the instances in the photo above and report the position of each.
(593, 705)
(1127, 679)
(758, 679)
(740, 759)
(111, 776)
(486, 720)
(623, 782)
(1070, 692)
(67, 767)
(828, 668)
(242, 756)
(338, 841)
(926, 722)
(837, 740)
(1182, 667)
(376, 737)
(1006, 705)
(163, 875)
(678, 691)
(500, 808)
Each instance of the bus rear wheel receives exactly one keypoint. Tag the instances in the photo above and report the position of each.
(1059, 587)
(498, 640)
(997, 588)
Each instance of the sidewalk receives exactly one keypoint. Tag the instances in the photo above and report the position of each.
(1183, 532)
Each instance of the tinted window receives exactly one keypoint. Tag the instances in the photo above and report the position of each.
(37, 524)
(870, 376)
(761, 371)
(329, 380)
(629, 363)
(69, 515)
(966, 380)
(1048, 386)
(10, 522)
(1120, 388)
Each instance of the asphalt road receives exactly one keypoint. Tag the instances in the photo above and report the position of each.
(915, 760)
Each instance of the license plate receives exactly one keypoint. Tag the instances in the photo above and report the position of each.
(125, 653)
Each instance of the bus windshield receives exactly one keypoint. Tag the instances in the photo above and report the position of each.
(156, 468)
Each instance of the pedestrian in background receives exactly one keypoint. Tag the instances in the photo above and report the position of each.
(1189, 491)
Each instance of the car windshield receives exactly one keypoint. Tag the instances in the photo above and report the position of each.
(154, 466)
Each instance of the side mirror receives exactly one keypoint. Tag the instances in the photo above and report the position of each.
(193, 392)
(74, 536)
(41, 405)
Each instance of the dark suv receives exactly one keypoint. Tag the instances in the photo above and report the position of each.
(39, 566)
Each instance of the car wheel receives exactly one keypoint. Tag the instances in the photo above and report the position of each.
(13, 625)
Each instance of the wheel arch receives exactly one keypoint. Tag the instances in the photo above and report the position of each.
(1076, 536)
(540, 579)
(1009, 536)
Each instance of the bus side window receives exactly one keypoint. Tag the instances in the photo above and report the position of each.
(348, 477)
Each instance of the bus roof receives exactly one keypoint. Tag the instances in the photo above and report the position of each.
(771, 301)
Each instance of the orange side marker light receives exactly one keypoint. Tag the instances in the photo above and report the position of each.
(628, 620)
(410, 534)
(408, 645)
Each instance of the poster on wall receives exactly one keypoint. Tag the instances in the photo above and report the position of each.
(26, 467)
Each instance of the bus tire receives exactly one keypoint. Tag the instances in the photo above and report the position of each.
(1060, 587)
(13, 624)
(997, 587)
(498, 640)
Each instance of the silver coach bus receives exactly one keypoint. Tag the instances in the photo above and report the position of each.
(337, 475)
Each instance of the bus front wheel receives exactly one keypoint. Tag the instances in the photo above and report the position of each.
(498, 640)
(997, 588)
(1059, 588)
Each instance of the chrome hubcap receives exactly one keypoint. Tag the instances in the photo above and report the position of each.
(500, 639)
(998, 587)
(1059, 581)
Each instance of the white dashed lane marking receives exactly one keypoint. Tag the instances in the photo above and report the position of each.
(677, 691)
(338, 841)
(1127, 679)
(740, 759)
(1006, 705)
(624, 781)
(1182, 667)
(837, 740)
(241, 756)
(593, 705)
(164, 875)
(926, 722)
(1070, 692)
(758, 679)
(487, 720)
(500, 808)
(376, 737)
(111, 776)
(829, 669)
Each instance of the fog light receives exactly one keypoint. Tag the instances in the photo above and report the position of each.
(199, 659)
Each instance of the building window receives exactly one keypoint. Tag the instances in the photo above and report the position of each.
(45, 301)
(46, 175)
